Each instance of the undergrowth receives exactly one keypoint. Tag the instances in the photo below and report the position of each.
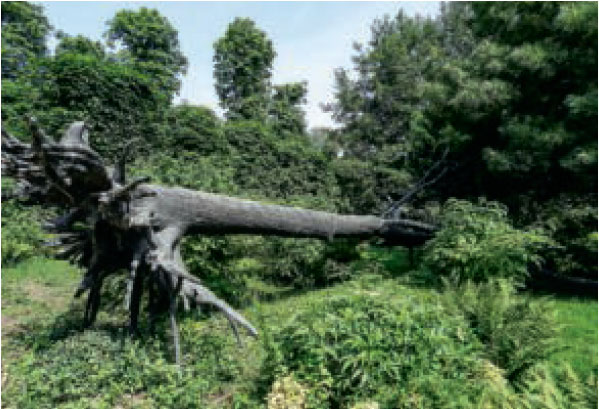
(369, 342)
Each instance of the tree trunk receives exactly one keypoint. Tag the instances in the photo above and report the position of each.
(138, 227)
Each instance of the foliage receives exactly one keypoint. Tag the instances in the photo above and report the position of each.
(516, 332)
(242, 69)
(21, 234)
(79, 45)
(477, 242)
(544, 388)
(191, 128)
(504, 96)
(118, 101)
(43, 347)
(72, 371)
(285, 113)
(366, 186)
(24, 33)
(569, 220)
(377, 106)
(151, 42)
(357, 345)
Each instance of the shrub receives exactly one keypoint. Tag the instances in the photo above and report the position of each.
(516, 331)
(357, 347)
(477, 242)
(573, 224)
(22, 236)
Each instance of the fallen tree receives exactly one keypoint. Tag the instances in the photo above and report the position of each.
(111, 224)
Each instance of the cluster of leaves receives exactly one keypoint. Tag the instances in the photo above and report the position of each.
(24, 31)
(477, 242)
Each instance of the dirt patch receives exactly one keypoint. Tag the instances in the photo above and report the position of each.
(45, 295)
(9, 324)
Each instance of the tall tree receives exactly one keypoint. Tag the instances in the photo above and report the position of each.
(376, 108)
(149, 39)
(243, 60)
(24, 33)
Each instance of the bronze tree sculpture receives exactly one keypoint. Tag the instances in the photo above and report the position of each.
(137, 227)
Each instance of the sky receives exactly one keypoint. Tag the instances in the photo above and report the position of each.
(311, 39)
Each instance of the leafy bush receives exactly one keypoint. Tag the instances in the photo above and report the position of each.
(540, 388)
(477, 242)
(22, 236)
(516, 331)
(573, 225)
(353, 347)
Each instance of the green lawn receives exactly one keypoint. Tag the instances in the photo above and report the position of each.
(578, 341)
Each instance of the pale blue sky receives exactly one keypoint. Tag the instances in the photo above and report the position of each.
(311, 38)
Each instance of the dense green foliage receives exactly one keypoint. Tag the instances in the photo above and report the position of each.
(243, 60)
(22, 236)
(478, 243)
(516, 332)
(360, 346)
(149, 40)
(24, 33)
(504, 95)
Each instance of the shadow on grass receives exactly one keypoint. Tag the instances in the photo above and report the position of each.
(41, 334)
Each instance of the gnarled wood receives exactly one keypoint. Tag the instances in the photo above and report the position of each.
(137, 227)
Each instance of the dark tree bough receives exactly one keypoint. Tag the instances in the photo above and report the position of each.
(112, 224)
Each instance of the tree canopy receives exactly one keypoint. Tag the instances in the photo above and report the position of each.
(25, 29)
(243, 60)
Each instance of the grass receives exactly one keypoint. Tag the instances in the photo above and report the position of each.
(35, 289)
(578, 341)
(48, 361)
